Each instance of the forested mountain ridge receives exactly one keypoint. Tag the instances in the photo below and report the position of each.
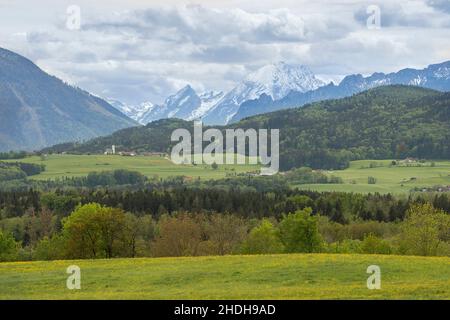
(381, 123)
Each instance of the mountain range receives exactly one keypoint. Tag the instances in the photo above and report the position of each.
(387, 122)
(279, 86)
(275, 80)
(436, 76)
(38, 110)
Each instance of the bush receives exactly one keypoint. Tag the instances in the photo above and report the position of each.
(9, 249)
(345, 246)
(425, 231)
(335, 232)
(263, 239)
(299, 232)
(178, 236)
(375, 245)
(225, 232)
(50, 248)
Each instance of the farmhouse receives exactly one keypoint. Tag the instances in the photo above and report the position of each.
(127, 154)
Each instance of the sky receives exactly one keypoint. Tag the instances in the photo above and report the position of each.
(136, 51)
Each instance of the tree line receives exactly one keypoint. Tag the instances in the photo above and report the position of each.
(18, 170)
(247, 203)
(12, 155)
(93, 231)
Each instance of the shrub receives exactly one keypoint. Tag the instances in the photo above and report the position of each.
(375, 245)
(178, 236)
(299, 232)
(263, 239)
(225, 232)
(425, 230)
(8, 247)
(50, 248)
(345, 246)
(371, 180)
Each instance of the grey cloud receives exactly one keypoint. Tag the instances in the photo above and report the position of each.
(441, 5)
(237, 53)
(202, 25)
(393, 15)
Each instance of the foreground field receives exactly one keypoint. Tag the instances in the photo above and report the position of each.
(58, 166)
(398, 179)
(295, 276)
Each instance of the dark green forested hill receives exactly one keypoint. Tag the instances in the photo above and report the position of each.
(153, 137)
(381, 123)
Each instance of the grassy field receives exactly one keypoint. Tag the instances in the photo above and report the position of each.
(81, 165)
(398, 179)
(393, 179)
(294, 276)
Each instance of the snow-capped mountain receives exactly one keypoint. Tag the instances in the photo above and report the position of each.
(186, 104)
(436, 76)
(208, 101)
(134, 112)
(274, 87)
(179, 105)
(274, 80)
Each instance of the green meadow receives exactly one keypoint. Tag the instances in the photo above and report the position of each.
(291, 276)
(58, 166)
(399, 179)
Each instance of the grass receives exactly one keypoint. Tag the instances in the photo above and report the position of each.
(293, 276)
(398, 179)
(390, 179)
(58, 166)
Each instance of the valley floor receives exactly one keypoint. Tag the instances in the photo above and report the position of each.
(59, 166)
(396, 179)
(291, 276)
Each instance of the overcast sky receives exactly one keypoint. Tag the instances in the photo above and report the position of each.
(139, 51)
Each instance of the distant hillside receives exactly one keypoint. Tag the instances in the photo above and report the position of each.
(154, 137)
(38, 110)
(381, 123)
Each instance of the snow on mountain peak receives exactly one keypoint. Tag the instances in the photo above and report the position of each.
(177, 98)
(133, 112)
(208, 101)
(275, 80)
(185, 104)
(281, 78)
